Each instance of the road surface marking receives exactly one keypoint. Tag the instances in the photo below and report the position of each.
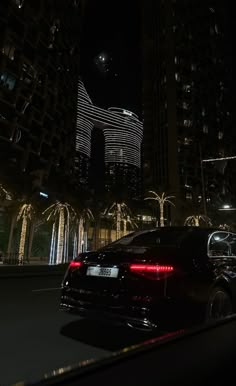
(46, 289)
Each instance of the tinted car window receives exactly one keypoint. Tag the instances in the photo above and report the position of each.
(233, 244)
(222, 244)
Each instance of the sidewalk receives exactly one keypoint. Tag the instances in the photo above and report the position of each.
(14, 262)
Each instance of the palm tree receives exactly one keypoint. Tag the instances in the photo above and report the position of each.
(80, 236)
(25, 214)
(62, 215)
(121, 213)
(162, 200)
(195, 220)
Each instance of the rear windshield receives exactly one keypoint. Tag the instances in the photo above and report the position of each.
(152, 238)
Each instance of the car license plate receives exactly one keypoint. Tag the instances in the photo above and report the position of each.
(103, 271)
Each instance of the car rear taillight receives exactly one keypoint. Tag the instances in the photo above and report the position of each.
(75, 264)
(152, 271)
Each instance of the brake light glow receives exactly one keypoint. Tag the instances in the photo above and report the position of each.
(75, 264)
(151, 268)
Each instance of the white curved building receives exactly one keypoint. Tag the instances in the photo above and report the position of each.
(123, 133)
(123, 144)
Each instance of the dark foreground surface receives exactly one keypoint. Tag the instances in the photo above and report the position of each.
(36, 338)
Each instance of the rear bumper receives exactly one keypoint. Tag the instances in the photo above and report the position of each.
(161, 313)
(111, 317)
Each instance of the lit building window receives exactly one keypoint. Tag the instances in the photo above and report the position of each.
(187, 141)
(199, 198)
(19, 3)
(188, 195)
(177, 77)
(187, 122)
(9, 51)
(186, 87)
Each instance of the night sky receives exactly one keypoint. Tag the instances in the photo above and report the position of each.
(111, 56)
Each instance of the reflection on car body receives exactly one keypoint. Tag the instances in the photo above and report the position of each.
(157, 277)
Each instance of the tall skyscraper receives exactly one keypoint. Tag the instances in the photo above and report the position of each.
(39, 68)
(187, 103)
(123, 133)
(123, 155)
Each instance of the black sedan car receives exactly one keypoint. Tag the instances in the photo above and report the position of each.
(155, 278)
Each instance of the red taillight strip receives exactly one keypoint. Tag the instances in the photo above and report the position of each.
(151, 268)
(75, 264)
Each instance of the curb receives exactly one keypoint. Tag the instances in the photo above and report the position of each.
(32, 271)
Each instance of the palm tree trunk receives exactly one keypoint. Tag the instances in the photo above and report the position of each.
(118, 221)
(161, 214)
(60, 241)
(81, 235)
(22, 240)
(53, 242)
(125, 226)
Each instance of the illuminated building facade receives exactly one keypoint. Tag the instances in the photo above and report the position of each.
(84, 127)
(39, 68)
(122, 132)
(187, 102)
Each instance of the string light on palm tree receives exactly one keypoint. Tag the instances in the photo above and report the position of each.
(131, 223)
(80, 236)
(120, 213)
(162, 200)
(25, 214)
(62, 214)
(196, 220)
(5, 194)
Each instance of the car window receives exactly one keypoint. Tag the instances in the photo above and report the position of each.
(222, 244)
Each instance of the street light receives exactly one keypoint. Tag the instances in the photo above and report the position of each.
(202, 177)
(227, 207)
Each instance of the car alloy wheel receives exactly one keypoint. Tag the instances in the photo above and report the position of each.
(219, 304)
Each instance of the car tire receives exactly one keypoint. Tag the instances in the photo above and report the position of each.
(219, 304)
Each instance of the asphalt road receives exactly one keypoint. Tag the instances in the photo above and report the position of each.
(37, 338)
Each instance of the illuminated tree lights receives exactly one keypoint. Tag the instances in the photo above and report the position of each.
(80, 236)
(62, 214)
(121, 214)
(195, 220)
(162, 200)
(25, 213)
(4, 194)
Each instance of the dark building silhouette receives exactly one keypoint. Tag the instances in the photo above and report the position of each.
(39, 70)
(97, 162)
(187, 102)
